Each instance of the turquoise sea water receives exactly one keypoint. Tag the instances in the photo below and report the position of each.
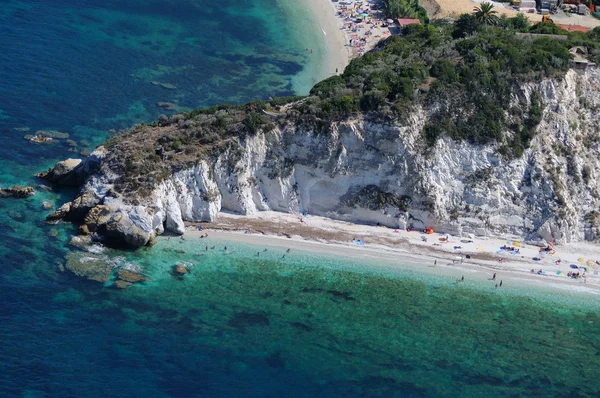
(237, 324)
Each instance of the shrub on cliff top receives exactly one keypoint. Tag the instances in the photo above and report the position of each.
(464, 75)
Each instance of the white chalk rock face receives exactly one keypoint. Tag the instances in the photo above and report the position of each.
(197, 194)
(173, 220)
(367, 172)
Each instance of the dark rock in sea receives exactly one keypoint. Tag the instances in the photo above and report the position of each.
(130, 276)
(89, 266)
(60, 214)
(83, 230)
(82, 205)
(167, 105)
(17, 191)
(15, 215)
(180, 269)
(64, 173)
(129, 230)
(73, 172)
(52, 134)
(47, 206)
(96, 216)
(38, 139)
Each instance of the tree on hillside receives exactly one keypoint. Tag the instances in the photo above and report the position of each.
(466, 25)
(485, 14)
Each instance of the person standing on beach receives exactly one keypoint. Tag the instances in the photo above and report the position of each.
(494, 277)
(500, 283)
(434, 262)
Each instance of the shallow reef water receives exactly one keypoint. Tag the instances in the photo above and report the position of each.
(236, 324)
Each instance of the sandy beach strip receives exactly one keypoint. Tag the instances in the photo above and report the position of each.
(399, 248)
(336, 41)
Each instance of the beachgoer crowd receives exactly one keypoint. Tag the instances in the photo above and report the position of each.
(362, 21)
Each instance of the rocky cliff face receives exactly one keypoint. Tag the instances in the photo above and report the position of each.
(367, 172)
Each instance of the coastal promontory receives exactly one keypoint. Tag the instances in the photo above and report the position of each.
(483, 130)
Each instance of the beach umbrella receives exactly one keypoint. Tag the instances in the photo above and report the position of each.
(581, 260)
(389, 20)
(574, 266)
(516, 244)
(589, 263)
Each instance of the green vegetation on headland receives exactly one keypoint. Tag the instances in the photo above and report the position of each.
(469, 70)
(464, 75)
(405, 9)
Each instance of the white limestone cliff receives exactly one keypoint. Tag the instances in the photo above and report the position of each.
(375, 173)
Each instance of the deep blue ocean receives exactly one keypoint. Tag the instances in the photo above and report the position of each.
(236, 325)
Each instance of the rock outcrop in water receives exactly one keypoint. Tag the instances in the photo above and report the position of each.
(17, 191)
(370, 172)
(397, 140)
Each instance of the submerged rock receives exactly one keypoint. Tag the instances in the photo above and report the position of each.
(15, 215)
(52, 134)
(38, 139)
(17, 191)
(88, 266)
(167, 105)
(121, 284)
(127, 277)
(130, 276)
(180, 269)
